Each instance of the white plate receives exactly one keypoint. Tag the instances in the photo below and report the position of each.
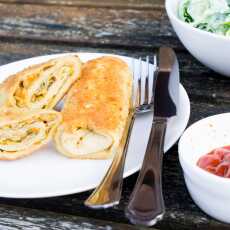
(47, 173)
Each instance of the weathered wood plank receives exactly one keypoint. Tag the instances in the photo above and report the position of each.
(131, 4)
(88, 26)
(182, 213)
(13, 218)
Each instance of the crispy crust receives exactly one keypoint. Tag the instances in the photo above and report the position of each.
(9, 86)
(98, 101)
(12, 115)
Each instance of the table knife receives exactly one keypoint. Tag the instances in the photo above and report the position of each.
(146, 204)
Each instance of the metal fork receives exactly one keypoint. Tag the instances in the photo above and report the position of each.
(108, 193)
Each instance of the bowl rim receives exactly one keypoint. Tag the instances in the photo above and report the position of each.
(189, 167)
(173, 16)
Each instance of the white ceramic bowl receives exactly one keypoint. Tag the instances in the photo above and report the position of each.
(210, 192)
(210, 49)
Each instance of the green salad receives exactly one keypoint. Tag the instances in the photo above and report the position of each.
(209, 15)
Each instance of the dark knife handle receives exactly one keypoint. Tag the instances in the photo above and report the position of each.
(146, 204)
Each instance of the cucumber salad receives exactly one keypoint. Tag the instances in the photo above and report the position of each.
(209, 15)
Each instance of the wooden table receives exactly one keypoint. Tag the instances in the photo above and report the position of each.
(134, 28)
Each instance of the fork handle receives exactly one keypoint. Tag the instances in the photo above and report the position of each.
(146, 204)
(108, 193)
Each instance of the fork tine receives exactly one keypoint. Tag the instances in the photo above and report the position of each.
(146, 101)
(154, 76)
(139, 83)
(135, 93)
(155, 62)
(133, 86)
(138, 97)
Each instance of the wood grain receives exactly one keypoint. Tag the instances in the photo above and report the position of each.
(13, 218)
(130, 4)
(87, 26)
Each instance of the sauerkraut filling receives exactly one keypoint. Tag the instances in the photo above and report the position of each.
(38, 90)
(19, 136)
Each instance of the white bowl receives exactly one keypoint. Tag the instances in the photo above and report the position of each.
(211, 49)
(210, 192)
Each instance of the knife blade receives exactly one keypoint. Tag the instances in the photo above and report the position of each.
(166, 95)
(146, 204)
